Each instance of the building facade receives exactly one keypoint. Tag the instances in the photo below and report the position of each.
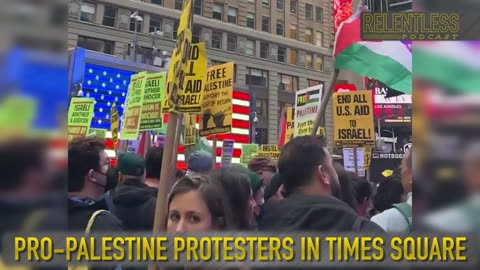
(389, 5)
(278, 46)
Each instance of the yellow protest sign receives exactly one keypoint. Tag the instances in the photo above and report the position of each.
(131, 121)
(217, 101)
(353, 119)
(269, 150)
(321, 131)
(367, 156)
(80, 114)
(189, 133)
(178, 99)
(114, 125)
(151, 117)
(190, 97)
(289, 132)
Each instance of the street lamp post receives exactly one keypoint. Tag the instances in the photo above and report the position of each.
(137, 19)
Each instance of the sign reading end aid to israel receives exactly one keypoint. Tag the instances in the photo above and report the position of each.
(353, 119)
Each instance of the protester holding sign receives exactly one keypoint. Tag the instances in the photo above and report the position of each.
(151, 117)
(80, 115)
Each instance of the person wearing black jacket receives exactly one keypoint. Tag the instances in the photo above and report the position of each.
(311, 185)
(133, 201)
(87, 168)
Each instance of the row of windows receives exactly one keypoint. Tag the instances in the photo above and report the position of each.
(309, 14)
(156, 23)
(110, 14)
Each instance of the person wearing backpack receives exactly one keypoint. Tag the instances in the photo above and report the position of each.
(398, 219)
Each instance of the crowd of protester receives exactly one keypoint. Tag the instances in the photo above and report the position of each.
(304, 190)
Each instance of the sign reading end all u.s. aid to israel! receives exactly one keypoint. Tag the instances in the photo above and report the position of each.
(353, 119)
(307, 104)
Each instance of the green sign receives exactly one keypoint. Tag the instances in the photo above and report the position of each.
(80, 114)
(131, 121)
(248, 150)
(151, 117)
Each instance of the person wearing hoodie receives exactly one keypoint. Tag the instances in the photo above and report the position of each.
(134, 202)
(88, 165)
(311, 185)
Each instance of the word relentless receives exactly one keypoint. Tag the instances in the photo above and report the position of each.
(255, 250)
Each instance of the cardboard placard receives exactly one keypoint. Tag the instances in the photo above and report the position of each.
(151, 117)
(353, 119)
(189, 132)
(131, 121)
(80, 114)
(307, 104)
(248, 151)
(217, 104)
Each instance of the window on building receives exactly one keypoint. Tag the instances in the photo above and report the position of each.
(264, 50)
(175, 29)
(293, 31)
(109, 16)
(293, 57)
(87, 12)
(311, 83)
(261, 106)
(309, 11)
(196, 32)
(232, 15)
(251, 20)
(288, 83)
(157, 2)
(282, 54)
(98, 45)
(319, 39)
(216, 39)
(293, 6)
(197, 7)
(266, 3)
(280, 28)
(309, 35)
(217, 12)
(250, 47)
(319, 62)
(280, 4)
(265, 24)
(231, 42)
(155, 24)
(136, 24)
(257, 77)
(261, 136)
(179, 4)
(319, 14)
(309, 60)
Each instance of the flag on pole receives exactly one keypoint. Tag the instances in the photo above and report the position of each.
(387, 61)
(452, 64)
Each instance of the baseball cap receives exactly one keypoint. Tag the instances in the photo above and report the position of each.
(254, 179)
(261, 163)
(131, 164)
(200, 162)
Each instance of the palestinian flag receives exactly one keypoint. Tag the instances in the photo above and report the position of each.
(387, 61)
(451, 64)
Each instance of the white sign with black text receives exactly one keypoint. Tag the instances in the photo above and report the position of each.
(349, 160)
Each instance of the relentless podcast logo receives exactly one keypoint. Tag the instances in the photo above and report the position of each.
(410, 26)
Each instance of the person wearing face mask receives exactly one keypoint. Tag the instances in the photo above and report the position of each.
(88, 165)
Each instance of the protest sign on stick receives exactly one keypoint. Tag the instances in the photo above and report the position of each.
(175, 83)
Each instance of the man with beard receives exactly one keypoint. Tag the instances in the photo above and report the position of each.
(312, 188)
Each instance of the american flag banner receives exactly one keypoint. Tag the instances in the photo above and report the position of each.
(240, 132)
